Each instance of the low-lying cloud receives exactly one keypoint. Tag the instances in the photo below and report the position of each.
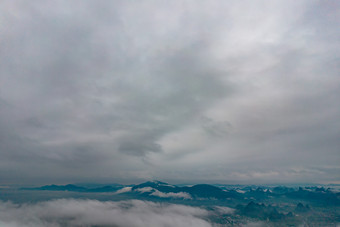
(71, 212)
(224, 210)
(123, 190)
(180, 195)
(145, 189)
(155, 192)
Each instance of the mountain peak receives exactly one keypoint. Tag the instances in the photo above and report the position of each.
(158, 182)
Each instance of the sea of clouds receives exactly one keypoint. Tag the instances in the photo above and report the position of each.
(73, 212)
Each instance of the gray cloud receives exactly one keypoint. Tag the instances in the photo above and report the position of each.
(124, 91)
(92, 212)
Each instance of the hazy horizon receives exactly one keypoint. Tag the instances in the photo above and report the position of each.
(171, 182)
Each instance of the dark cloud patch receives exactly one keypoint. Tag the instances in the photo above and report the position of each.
(138, 148)
(216, 129)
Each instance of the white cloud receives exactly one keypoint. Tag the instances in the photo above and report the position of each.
(178, 195)
(155, 192)
(240, 191)
(123, 190)
(145, 189)
(70, 212)
(224, 210)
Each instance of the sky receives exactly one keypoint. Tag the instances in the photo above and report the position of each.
(181, 91)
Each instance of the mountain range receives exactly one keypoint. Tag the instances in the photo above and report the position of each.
(205, 191)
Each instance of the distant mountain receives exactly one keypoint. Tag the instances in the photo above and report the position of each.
(196, 191)
(209, 191)
(259, 193)
(160, 186)
(300, 208)
(326, 197)
(206, 191)
(105, 189)
(53, 187)
(260, 211)
(74, 188)
(282, 190)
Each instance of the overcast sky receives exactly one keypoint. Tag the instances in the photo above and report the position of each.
(181, 91)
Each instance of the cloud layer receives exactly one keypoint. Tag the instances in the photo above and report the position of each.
(208, 91)
(133, 213)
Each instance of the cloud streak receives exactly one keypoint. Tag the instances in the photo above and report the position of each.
(178, 195)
